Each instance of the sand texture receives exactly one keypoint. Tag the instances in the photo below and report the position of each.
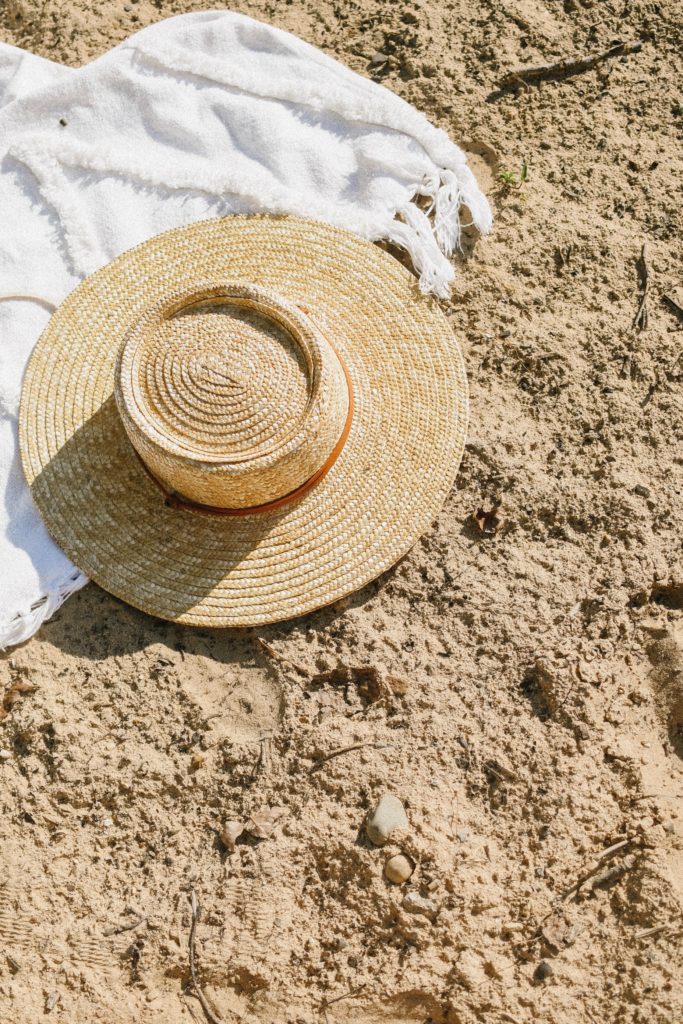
(523, 683)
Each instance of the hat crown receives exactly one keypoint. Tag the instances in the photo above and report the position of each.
(232, 397)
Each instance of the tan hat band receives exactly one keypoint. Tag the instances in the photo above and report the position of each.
(232, 398)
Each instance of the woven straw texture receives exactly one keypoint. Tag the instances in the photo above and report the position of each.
(385, 489)
(231, 404)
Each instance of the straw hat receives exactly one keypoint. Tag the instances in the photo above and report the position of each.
(243, 420)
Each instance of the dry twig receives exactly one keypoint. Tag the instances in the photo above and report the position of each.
(282, 658)
(345, 995)
(616, 846)
(647, 932)
(210, 1015)
(117, 930)
(598, 873)
(641, 317)
(534, 73)
(344, 750)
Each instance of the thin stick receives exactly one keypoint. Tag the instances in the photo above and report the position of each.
(282, 657)
(534, 73)
(344, 995)
(598, 867)
(124, 927)
(641, 317)
(652, 931)
(613, 849)
(345, 750)
(261, 758)
(210, 1015)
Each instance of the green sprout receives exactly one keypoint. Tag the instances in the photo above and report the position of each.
(510, 179)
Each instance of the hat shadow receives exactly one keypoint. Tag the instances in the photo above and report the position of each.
(97, 468)
(95, 623)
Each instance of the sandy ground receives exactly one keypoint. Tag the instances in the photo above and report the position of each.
(538, 718)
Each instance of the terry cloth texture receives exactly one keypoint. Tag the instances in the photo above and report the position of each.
(202, 115)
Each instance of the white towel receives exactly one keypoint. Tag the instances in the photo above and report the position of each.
(197, 116)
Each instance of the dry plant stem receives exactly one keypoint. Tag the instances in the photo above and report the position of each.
(647, 932)
(613, 849)
(345, 995)
(124, 927)
(345, 750)
(569, 66)
(271, 652)
(596, 871)
(261, 758)
(641, 317)
(210, 1015)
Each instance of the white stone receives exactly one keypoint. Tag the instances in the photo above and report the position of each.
(416, 904)
(387, 817)
(230, 832)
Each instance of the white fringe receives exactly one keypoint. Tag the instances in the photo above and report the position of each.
(428, 244)
(25, 624)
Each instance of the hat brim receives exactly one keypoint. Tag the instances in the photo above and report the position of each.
(384, 491)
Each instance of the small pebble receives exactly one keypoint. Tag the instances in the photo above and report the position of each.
(644, 492)
(387, 817)
(5, 755)
(398, 869)
(416, 904)
(230, 832)
(543, 971)
(462, 835)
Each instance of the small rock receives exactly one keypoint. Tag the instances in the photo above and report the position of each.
(462, 835)
(5, 755)
(379, 58)
(388, 817)
(230, 833)
(543, 971)
(643, 492)
(413, 903)
(558, 932)
(398, 869)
